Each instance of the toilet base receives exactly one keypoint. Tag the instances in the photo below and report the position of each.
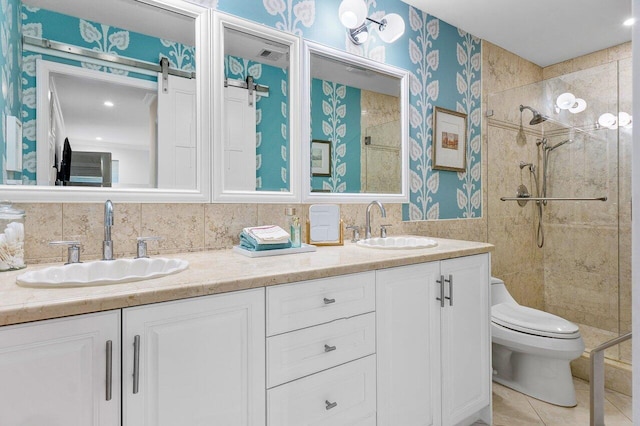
(544, 378)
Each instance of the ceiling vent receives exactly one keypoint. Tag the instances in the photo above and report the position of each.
(271, 54)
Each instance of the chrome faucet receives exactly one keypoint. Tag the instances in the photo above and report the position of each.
(107, 244)
(367, 225)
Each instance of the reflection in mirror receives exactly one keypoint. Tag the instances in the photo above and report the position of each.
(358, 106)
(256, 109)
(94, 80)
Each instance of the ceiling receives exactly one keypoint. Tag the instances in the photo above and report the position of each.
(544, 32)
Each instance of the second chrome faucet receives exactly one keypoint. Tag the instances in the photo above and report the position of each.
(107, 244)
(368, 217)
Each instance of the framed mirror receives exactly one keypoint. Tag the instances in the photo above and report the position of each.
(114, 95)
(256, 83)
(360, 107)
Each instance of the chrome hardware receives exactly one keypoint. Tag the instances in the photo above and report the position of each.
(383, 230)
(329, 301)
(441, 298)
(450, 281)
(109, 377)
(136, 364)
(107, 244)
(141, 245)
(330, 405)
(73, 251)
(328, 348)
(367, 226)
(356, 233)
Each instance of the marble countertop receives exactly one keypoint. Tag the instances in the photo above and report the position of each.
(213, 272)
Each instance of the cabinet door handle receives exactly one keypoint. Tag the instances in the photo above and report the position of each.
(329, 301)
(450, 298)
(441, 298)
(109, 350)
(330, 405)
(136, 364)
(328, 348)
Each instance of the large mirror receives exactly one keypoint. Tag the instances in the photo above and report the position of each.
(356, 148)
(257, 112)
(113, 98)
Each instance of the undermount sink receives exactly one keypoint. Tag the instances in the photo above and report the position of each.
(101, 272)
(398, 243)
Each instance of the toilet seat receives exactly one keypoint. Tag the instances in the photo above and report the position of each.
(532, 321)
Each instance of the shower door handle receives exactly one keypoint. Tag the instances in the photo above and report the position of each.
(441, 298)
(450, 281)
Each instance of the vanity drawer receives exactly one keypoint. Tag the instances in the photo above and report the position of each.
(299, 305)
(310, 401)
(303, 352)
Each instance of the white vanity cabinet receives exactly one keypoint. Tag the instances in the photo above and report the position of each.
(195, 361)
(434, 355)
(61, 372)
(321, 364)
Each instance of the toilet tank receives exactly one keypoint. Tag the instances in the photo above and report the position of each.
(499, 292)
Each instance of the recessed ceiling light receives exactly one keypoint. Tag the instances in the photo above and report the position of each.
(629, 22)
(98, 138)
(108, 104)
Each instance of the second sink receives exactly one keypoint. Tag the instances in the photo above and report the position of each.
(101, 272)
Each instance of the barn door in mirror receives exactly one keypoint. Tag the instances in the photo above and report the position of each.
(358, 108)
(256, 105)
(113, 95)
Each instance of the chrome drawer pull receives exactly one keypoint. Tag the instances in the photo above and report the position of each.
(328, 348)
(329, 301)
(330, 405)
(136, 363)
(441, 298)
(450, 298)
(109, 352)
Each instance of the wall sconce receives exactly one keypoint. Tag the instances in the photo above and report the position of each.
(353, 15)
(612, 122)
(569, 101)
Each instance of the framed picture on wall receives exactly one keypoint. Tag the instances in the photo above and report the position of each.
(449, 140)
(321, 158)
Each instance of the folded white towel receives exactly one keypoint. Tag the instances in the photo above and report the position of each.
(271, 234)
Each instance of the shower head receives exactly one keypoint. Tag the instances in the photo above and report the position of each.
(537, 117)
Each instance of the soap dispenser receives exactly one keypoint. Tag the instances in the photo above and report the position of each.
(294, 227)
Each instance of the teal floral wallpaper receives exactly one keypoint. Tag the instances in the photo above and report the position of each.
(10, 61)
(92, 35)
(445, 66)
(335, 117)
(272, 138)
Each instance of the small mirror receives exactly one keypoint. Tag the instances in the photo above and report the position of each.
(356, 150)
(257, 112)
(111, 98)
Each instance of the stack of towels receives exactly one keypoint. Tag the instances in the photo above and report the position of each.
(270, 237)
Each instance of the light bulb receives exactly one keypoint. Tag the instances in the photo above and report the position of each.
(579, 106)
(352, 13)
(393, 29)
(624, 119)
(566, 100)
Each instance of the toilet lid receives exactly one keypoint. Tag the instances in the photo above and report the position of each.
(533, 321)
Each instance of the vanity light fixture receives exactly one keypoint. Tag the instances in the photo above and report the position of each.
(353, 15)
(570, 102)
(610, 121)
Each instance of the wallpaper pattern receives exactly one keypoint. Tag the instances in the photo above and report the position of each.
(445, 67)
(335, 117)
(10, 62)
(272, 138)
(91, 35)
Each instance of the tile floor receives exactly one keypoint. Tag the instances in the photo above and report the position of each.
(511, 408)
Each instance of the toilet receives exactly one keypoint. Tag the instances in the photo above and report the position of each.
(532, 349)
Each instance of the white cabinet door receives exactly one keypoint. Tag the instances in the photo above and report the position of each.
(408, 324)
(465, 338)
(56, 372)
(201, 362)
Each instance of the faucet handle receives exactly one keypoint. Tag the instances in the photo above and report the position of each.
(73, 250)
(383, 230)
(356, 233)
(141, 245)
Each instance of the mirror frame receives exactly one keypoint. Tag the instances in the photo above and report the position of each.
(221, 22)
(340, 197)
(201, 194)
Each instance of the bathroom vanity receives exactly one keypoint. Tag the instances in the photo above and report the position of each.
(342, 336)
